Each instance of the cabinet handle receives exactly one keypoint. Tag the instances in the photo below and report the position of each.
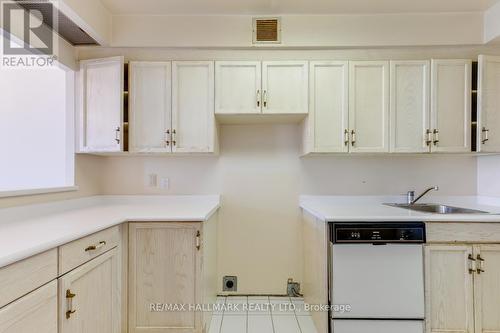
(485, 135)
(480, 260)
(436, 137)
(428, 137)
(353, 138)
(95, 247)
(346, 137)
(198, 243)
(69, 297)
(471, 264)
(174, 139)
(167, 137)
(258, 98)
(117, 135)
(265, 98)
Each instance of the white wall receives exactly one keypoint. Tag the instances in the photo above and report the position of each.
(87, 178)
(300, 30)
(260, 176)
(488, 176)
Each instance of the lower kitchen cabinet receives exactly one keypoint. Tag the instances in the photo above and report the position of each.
(35, 312)
(462, 288)
(89, 296)
(164, 270)
(487, 288)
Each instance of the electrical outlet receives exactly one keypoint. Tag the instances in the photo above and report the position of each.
(230, 283)
(164, 183)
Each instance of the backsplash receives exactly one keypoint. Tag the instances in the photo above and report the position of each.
(488, 176)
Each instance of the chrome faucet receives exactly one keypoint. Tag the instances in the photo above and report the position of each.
(410, 195)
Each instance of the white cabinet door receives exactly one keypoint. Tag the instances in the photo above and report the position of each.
(449, 289)
(193, 123)
(101, 105)
(328, 111)
(451, 105)
(238, 87)
(34, 313)
(150, 106)
(164, 268)
(487, 288)
(369, 106)
(488, 115)
(89, 297)
(285, 87)
(410, 106)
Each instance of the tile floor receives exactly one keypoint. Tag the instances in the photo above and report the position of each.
(261, 315)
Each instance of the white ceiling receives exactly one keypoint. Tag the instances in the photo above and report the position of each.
(269, 7)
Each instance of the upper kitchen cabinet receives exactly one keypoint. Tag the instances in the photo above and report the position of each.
(254, 87)
(488, 136)
(409, 107)
(369, 106)
(451, 105)
(285, 87)
(150, 106)
(101, 105)
(238, 87)
(327, 124)
(193, 123)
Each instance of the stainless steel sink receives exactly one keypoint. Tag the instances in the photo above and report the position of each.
(437, 208)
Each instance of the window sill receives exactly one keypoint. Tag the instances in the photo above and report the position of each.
(20, 193)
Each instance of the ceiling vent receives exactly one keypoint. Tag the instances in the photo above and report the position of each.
(266, 30)
(62, 24)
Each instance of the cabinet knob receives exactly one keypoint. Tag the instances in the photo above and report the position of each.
(353, 138)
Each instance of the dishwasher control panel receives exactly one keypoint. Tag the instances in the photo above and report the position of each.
(348, 232)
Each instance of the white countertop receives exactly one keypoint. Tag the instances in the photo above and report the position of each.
(29, 230)
(371, 208)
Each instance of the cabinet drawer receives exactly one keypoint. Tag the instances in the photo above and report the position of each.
(78, 252)
(35, 312)
(24, 276)
(450, 232)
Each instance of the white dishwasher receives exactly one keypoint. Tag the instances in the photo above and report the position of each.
(376, 277)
